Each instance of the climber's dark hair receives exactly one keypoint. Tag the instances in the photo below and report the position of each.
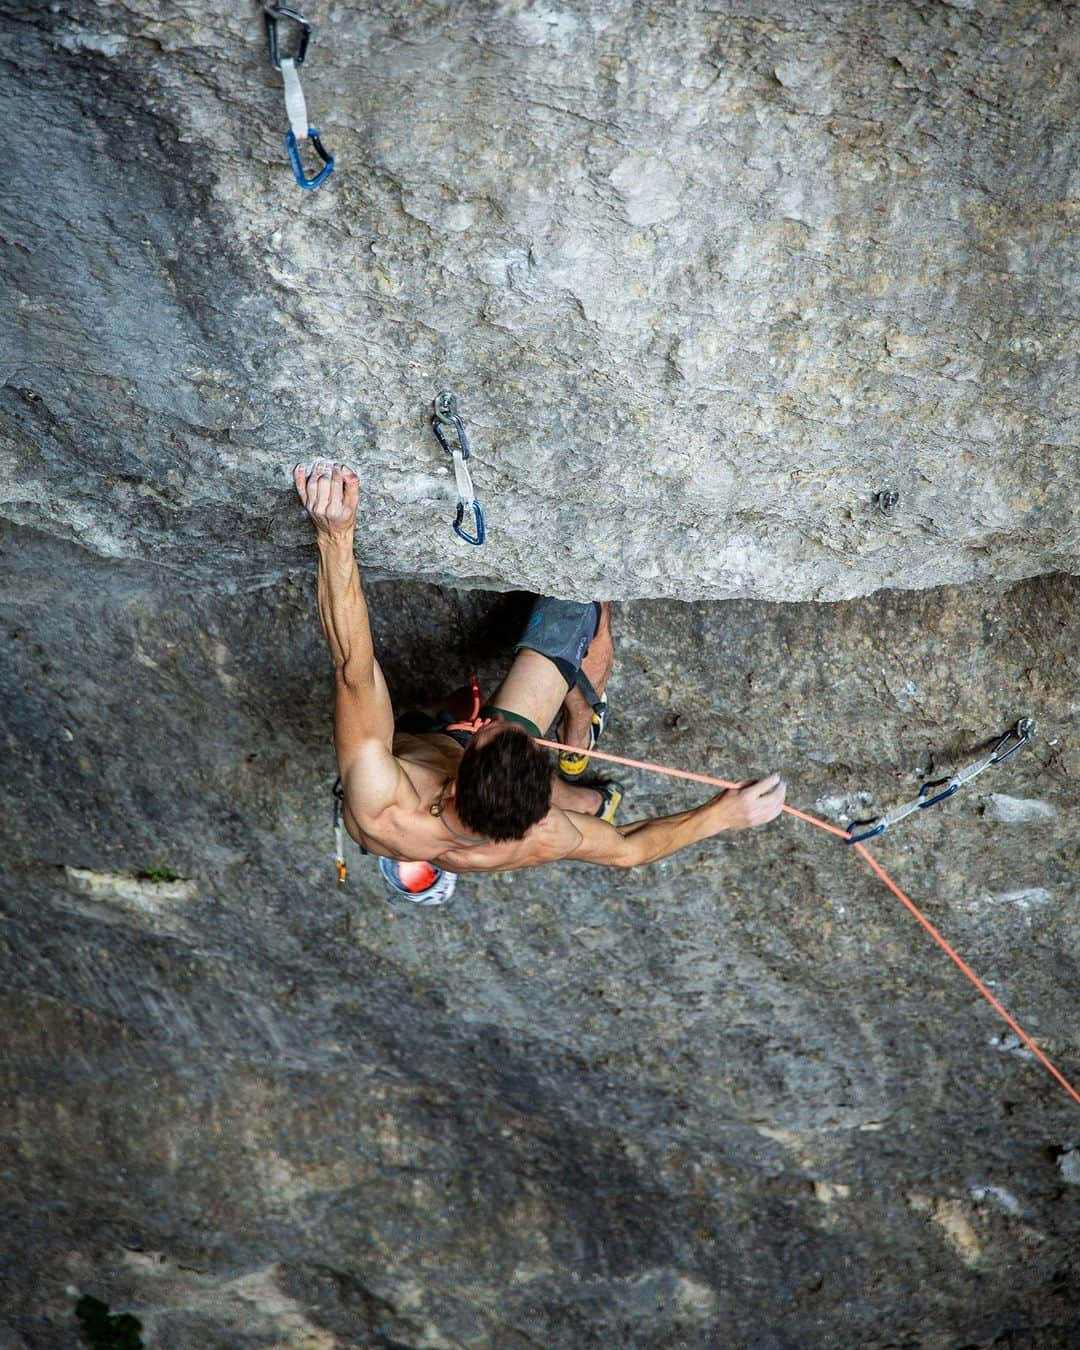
(503, 785)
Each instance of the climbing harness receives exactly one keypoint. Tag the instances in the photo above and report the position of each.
(445, 415)
(1001, 749)
(1014, 739)
(475, 722)
(300, 129)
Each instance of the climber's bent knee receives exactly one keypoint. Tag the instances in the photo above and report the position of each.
(547, 662)
(561, 630)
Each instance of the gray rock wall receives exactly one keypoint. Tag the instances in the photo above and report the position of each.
(705, 280)
(736, 1098)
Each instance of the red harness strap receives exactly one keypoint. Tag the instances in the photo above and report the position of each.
(475, 722)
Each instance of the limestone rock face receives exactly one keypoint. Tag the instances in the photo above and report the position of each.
(736, 1098)
(706, 280)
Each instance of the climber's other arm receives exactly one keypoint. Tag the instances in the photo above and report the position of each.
(363, 714)
(646, 841)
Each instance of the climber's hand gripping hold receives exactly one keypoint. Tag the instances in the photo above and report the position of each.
(331, 494)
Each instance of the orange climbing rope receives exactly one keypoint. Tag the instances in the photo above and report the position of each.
(875, 866)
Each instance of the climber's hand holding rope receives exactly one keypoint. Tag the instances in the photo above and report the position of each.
(330, 493)
(750, 804)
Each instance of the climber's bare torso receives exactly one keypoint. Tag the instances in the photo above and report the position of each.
(407, 829)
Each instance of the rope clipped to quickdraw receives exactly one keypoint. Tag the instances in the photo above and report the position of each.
(339, 834)
(1014, 739)
(878, 871)
(445, 416)
(300, 129)
(1007, 745)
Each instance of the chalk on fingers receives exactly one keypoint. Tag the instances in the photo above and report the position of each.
(343, 464)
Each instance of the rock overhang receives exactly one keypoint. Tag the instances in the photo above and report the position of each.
(705, 289)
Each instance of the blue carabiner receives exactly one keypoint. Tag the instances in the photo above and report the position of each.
(478, 517)
(298, 169)
(933, 801)
(866, 834)
(444, 410)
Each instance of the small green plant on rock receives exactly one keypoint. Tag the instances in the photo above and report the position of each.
(158, 874)
(104, 1330)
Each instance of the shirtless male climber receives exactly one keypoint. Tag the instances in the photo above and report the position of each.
(480, 795)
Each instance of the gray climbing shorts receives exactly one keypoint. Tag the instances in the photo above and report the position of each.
(561, 630)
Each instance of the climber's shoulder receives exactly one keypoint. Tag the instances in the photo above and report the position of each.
(376, 782)
(550, 839)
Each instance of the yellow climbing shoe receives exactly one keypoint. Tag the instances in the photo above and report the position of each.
(572, 766)
(611, 794)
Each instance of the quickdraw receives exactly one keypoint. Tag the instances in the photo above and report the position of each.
(445, 416)
(1002, 750)
(339, 834)
(1014, 739)
(300, 128)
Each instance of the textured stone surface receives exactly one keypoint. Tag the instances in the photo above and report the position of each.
(733, 1099)
(706, 278)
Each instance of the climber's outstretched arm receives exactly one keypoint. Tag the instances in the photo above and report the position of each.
(647, 841)
(363, 714)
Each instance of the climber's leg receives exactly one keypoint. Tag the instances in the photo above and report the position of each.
(600, 800)
(574, 798)
(549, 656)
(531, 694)
(577, 712)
